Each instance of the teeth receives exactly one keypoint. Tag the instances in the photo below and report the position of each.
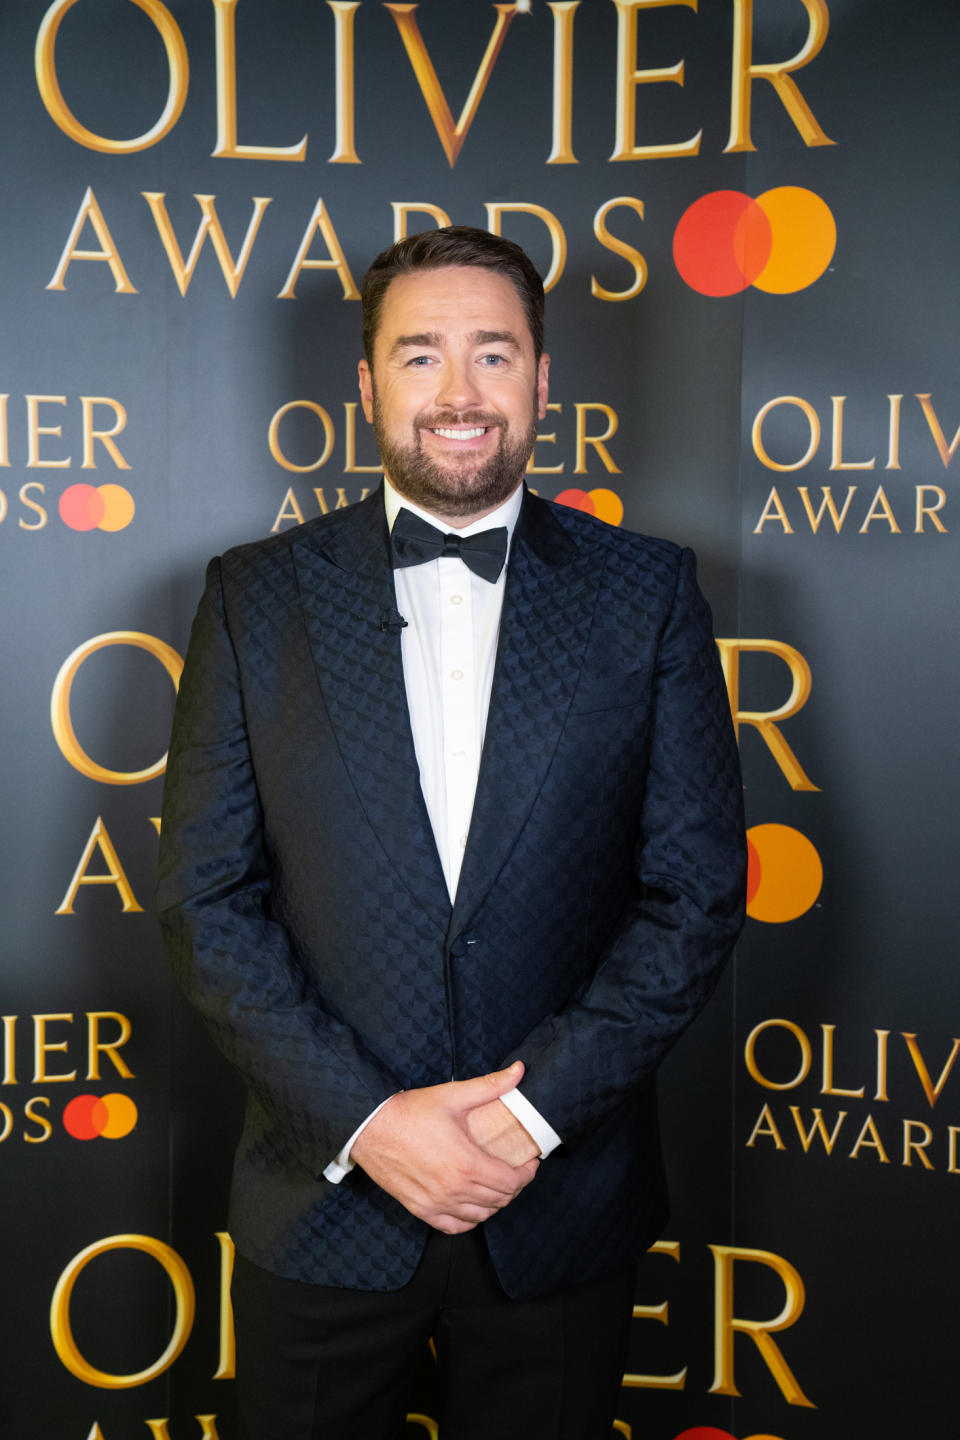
(462, 434)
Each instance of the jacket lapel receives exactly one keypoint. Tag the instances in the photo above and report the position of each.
(548, 608)
(346, 594)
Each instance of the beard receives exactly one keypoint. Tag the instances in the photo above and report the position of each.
(456, 488)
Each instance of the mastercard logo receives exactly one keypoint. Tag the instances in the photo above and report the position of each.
(602, 503)
(107, 1117)
(710, 1432)
(781, 242)
(96, 507)
(784, 876)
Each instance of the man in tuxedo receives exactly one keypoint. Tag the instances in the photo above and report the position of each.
(452, 852)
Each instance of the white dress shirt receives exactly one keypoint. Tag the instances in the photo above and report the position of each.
(448, 650)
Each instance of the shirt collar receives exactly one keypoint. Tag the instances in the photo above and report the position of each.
(506, 514)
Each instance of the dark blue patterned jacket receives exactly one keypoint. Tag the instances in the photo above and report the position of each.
(305, 909)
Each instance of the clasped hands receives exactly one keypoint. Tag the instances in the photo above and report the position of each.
(453, 1154)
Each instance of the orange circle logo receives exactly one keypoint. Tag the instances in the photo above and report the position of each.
(96, 507)
(602, 503)
(780, 243)
(784, 873)
(111, 1116)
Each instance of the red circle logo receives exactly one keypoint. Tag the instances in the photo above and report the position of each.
(710, 1432)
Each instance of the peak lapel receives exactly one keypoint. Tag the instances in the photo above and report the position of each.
(548, 609)
(346, 585)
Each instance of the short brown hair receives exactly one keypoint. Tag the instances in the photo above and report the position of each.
(439, 249)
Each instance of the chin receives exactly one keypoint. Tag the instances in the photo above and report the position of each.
(451, 490)
(456, 493)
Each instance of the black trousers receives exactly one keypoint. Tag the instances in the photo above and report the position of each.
(318, 1363)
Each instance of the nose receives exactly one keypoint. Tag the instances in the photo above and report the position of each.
(458, 387)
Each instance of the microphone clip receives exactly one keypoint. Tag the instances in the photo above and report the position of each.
(392, 622)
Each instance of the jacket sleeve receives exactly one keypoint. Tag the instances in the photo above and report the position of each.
(235, 962)
(665, 955)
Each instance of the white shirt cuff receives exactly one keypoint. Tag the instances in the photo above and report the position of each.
(542, 1133)
(341, 1164)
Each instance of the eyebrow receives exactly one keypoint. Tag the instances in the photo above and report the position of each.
(495, 337)
(427, 339)
(432, 339)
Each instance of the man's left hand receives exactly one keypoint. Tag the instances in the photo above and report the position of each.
(498, 1131)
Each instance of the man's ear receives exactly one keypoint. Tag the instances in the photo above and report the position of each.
(366, 390)
(543, 385)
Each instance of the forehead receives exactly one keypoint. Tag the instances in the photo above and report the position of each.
(455, 300)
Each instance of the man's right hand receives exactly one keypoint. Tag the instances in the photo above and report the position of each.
(418, 1148)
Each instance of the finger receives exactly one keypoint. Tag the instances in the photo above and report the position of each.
(442, 1213)
(472, 1193)
(518, 1177)
(449, 1224)
(493, 1181)
(463, 1212)
(525, 1173)
(483, 1180)
(481, 1089)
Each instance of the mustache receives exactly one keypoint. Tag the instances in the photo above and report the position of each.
(432, 421)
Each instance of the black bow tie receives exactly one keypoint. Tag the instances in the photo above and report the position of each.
(414, 541)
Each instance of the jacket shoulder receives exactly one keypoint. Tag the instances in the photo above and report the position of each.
(276, 551)
(590, 532)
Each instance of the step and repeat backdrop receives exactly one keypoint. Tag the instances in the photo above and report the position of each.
(746, 212)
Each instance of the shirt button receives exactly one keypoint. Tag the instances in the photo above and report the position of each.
(456, 599)
(463, 842)
(456, 674)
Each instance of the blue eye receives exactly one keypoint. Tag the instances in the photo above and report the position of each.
(492, 361)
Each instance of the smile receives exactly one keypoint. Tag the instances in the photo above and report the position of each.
(472, 434)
